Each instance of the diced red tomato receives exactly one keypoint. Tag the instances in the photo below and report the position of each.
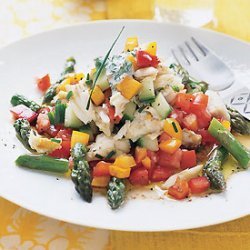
(44, 110)
(43, 83)
(153, 157)
(177, 115)
(64, 134)
(190, 122)
(198, 185)
(107, 93)
(199, 103)
(164, 137)
(183, 101)
(144, 59)
(43, 122)
(204, 118)
(53, 130)
(172, 161)
(206, 137)
(21, 111)
(188, 159)
(63, 152)
(101, 169)
(179, 190)
(161, 174)
(139, 176)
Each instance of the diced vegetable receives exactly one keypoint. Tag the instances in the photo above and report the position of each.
(63, 152)
(97, 96)
(161, 174)
(234, 147)
(190, 122)
(179, 190)
(42, 162)
(140, 154)
(100, 181)
(139, 176)
(88, 130)
(172, 161)
(79, 137)
(144, 59)
(188, 159)
(119, 172)
(131, 43)
(62, 86)
(147, 93)
(116, 192)
(128, 113)
(20, 99)
(71, 120)
(173, 128)
(146, 162)
(125, 161)
(101, 169)
(23, 112)
(151, 48)
(198, 185)
(59, 113)
(146, 142)
(183, 101)
(170, 146)
(161, 106)
(129, 87)
(102, 80)
(43, 83)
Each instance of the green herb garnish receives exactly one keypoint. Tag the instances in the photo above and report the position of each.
(88, 80)
(55, 140)
(69, 95)
(110, 154)
(51, 116)
(176, 88)
(175, 128)
(101, 67)
(99, 156)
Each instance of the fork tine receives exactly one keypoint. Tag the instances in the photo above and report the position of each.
(178, 57)
(183, 54)
(191, 51)
(200, 46)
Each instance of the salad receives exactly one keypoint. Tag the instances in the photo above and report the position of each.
(133, 119)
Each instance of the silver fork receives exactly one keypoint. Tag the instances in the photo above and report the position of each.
(202, 64)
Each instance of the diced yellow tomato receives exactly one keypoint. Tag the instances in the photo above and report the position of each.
(140, 154)
(226, 124)
(129, 87)
(125, 161)
(146, 162)
(170, 146)
(151, 48)
(173, 128)
(98, 96)
(119, 172)
(131, 43)
(132, 59)
(100, 181)
(62, 86)
(79, 137)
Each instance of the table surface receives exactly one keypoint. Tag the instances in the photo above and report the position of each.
(23, 229)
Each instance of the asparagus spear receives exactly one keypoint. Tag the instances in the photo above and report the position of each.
(233, 146)
(69, 67)
(43, 162)
(212, 168)
(20, 99)
(80, 174)
(115, 192)
(22, 127)
(238, 122)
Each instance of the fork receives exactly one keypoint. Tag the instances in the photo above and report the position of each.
(202, 64)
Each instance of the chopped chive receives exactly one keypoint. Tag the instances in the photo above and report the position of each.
(110, 154)
(99, 156)
(176, 88)
(55, 140)
(101, 67)
(175, 128)
(88, 80)
(69, 95)
(51, 118)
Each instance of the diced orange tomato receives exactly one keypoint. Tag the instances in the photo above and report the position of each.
(173, 128)
(119, 172)
(62, 86)
(146, 162)
(131, 43)
(199, 185)
(140, 154)
(132, 59)
(151, 48)
(79, 137)
(170, 146)
(98, 96)
(43, 83)
(226, 124)
(179, 190)
(100, 181)
(183, 101)
(101, 169)
(129, 87)
(125, 161)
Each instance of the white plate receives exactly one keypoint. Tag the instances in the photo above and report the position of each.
(44, 193)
